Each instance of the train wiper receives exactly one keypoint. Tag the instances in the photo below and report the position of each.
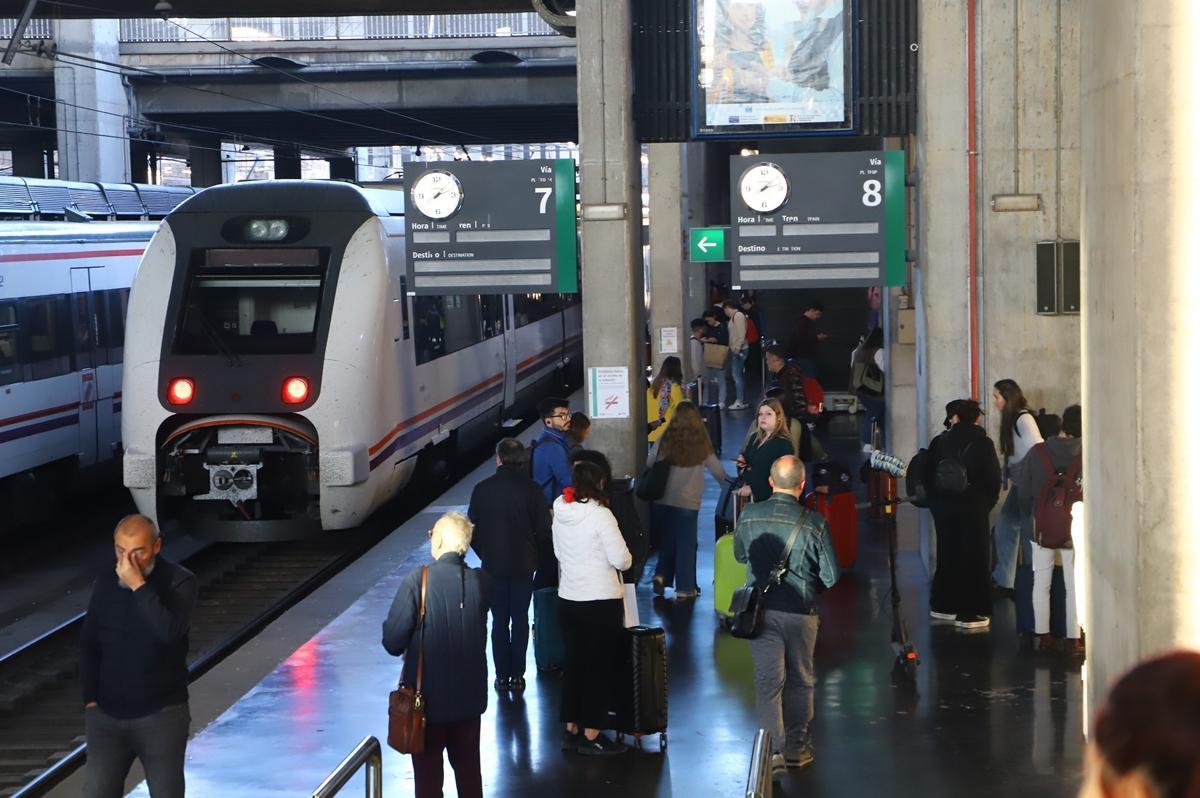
(214, 336)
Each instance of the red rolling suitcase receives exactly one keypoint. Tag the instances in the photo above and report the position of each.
(841, 512)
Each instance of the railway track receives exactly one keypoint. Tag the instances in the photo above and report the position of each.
(242, 589)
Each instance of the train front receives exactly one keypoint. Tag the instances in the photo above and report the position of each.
(226, 358)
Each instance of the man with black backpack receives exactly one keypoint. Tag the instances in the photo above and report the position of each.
(1053, 480)
(962, 477)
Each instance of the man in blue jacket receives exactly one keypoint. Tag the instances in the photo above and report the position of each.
(134, 666)
(551, 450)
(783, 652)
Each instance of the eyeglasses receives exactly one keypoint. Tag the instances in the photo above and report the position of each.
(561, 415)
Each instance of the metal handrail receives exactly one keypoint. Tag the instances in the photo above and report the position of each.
(366, 753)
(759, 783)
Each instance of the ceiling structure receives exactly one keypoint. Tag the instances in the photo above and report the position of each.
(89, 9)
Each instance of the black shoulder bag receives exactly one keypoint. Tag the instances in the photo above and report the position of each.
(747, 605)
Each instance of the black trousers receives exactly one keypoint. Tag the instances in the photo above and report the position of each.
(962, 582)
(591, 635)
(159, 740)
(510, 625)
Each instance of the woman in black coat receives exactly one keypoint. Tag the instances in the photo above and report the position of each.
(961, 590)
(454, 673)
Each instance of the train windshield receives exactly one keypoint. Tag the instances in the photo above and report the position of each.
(252, 301)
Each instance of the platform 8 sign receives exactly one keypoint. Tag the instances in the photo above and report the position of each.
(491, 227)
(817, 220)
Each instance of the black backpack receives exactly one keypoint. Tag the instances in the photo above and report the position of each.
(915, 483)
(950, 475)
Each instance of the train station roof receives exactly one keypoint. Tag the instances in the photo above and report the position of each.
(89, 9)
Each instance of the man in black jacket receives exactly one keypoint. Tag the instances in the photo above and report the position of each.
(511, 520)
(451, 648)
(135, 642)
(961, 590)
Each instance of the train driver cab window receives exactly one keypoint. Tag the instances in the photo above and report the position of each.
(252, 301)
(10, 360)
(44, 324)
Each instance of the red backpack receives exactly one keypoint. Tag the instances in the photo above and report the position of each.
(1052, 511)
(752, 336)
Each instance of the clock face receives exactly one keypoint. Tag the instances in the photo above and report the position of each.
(437, 194)
(764, 187)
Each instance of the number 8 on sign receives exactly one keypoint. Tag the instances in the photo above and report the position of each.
(872, 193)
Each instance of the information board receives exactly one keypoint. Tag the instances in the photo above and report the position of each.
(773, 67)
(817, 220)
(488, 227)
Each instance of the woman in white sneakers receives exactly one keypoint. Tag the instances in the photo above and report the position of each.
(591, 555)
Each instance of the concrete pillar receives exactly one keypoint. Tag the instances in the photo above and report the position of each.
(610, 188)
(1141, 118)
(343, 168)
(204, 154)
(92, 144)
(668, 258)
(29, 160)
(287, 162)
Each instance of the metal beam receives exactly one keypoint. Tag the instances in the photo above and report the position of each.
(132, 9)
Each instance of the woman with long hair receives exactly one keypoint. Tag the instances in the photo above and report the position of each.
(663, 397)
(1014, 526)
(686, 447)
(772, 441)
(1147, 738)
(591, 554)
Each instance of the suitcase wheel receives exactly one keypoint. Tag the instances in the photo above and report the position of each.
(662, 741)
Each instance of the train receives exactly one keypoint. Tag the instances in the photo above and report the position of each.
(68, 253)
(280, 381)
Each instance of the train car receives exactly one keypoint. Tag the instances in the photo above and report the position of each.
(280, 381)
(63, 292)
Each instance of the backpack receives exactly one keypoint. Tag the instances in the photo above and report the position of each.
(914, 480)
(752, 336)
(950, 474)
(1052, 511)
(866, 376)
(1048, 424)
(832, 475)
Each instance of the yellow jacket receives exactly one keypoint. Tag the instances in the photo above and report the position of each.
(652, 410)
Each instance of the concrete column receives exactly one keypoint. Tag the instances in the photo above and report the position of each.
(668, 259)
(1140, 104)
(343, 168)
(610, 186)
(92, 144)
(29, 160)
(204, 154)
(287, 162)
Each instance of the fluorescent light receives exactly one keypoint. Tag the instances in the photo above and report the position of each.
(604, 213)
(1004, 203)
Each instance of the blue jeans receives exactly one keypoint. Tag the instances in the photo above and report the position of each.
(737, 365)
(873, 407)
(510, 625)
(677, 552)
(1014, 529)
(718, 375)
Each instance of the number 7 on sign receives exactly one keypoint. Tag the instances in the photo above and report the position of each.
(545, 192)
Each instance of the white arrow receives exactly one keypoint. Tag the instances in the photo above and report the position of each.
(705, 245)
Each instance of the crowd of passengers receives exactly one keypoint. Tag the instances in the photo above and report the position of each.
(554, 515)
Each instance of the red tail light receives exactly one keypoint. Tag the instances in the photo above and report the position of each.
(181, 391)
(295, 390)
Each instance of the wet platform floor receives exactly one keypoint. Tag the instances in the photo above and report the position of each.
(984, 718)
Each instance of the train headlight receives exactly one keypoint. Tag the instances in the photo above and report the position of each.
(266, 230)
(295, 390)
(181, 391)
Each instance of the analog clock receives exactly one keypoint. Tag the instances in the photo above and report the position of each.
(764, 187)
(437, 194)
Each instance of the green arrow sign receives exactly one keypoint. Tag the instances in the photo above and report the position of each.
(708, 244)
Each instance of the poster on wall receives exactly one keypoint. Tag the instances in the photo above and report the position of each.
(773, 67)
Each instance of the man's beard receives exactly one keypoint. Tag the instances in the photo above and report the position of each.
(145, 574)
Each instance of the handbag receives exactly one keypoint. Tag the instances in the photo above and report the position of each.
(653, 484)
(406, 705)
(748, 603)
(716, 355)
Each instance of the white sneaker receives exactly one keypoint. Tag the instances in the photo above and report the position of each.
(867, 448)
(942, 616)
(738, 406)
(972, 621)
(778, 766)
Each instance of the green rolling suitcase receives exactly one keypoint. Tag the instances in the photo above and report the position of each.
(728, 576)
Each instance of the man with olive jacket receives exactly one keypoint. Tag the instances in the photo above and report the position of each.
(783, 652)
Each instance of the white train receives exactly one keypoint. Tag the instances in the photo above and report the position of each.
(279, 380)
(63, 292)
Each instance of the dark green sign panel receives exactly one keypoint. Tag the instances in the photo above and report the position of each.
(817, 220)
(491, 227)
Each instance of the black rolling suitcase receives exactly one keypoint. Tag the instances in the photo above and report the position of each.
(641, 685)
(712, 422)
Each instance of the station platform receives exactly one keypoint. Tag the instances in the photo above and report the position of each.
(985, 718)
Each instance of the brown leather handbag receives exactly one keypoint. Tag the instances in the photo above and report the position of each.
(406, 705)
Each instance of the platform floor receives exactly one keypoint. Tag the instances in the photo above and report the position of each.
(985, 719)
